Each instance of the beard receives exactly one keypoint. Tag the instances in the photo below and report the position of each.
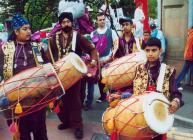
(67, 29)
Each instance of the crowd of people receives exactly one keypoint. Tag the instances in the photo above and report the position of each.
(103, 47)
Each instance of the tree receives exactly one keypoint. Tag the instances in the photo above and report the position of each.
(152, 8)
(128, 7)
(40, 13)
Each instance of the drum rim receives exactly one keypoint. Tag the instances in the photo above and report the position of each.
(73, 58)
(149, 120)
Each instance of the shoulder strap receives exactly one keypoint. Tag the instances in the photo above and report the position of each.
(74, 35)
(37, 55)
(161, 76)
(137, 43)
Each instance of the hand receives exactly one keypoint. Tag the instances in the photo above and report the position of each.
(113, 96)
(57, 68)
(173, 107)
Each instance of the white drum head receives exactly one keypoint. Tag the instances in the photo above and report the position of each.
(77, 63)
(156, 113)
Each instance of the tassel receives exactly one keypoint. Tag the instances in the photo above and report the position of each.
(18, 109)
(113, 135)
(16, 135)
(57, 109)
(13, 128)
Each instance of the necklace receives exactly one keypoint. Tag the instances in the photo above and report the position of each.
(17, 55)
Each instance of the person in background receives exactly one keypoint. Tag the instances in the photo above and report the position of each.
(155, 32)
(146, 37)
(188, 58)
(139, 18)
(105, 39)
(127, 42)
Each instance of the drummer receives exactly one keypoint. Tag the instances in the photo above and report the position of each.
(60, 45)
(127, 41)
(19, 54)
(147, 75)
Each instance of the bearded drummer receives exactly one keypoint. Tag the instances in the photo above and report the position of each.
(19, 54)
(60, 45)
(146, 79)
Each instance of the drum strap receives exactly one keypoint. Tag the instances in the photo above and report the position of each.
(160, 79)
(37, 55)
(74, 35)
(137, 43)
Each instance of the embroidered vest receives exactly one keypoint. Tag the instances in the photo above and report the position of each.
(141, 80)
(59, 51)
(9, 51)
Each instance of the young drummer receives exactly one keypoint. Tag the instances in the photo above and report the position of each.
(147, 75)
(15, 56)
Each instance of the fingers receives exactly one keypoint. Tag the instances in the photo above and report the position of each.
(173, 107)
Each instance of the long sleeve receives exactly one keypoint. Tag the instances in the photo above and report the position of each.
(87, 47)
(173, 89)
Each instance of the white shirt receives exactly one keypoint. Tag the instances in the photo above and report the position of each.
(138, 16)
(114, 38)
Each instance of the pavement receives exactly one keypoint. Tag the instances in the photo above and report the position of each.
(181, 130)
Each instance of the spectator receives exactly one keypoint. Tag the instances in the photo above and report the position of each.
(155, 32)
(188, 57)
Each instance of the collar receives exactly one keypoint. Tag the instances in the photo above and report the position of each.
(102, 30)
(155, 67)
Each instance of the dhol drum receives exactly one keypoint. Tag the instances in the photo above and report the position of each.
(34, 88)
(139, 117)
(121, 72)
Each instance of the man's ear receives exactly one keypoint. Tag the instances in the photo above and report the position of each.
(16, 32)
(161, 50)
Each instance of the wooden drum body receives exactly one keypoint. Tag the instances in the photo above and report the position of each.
(34, 88)
(139, 117)
(121, 72)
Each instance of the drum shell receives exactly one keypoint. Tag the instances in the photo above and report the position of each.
(130, 120)
(36, 87)
(121, 72)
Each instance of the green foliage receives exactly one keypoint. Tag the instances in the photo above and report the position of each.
(40, 13)
(10, 7)
(152, 8)
(128, 7)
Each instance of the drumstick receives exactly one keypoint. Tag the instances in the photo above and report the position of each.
(60, 83)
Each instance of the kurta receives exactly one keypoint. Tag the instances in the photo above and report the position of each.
(22, 58)
(70, 110)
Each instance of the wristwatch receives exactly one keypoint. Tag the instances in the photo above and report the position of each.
(93, 62)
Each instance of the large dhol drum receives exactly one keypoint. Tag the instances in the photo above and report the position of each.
(34, 88)
(139, 117)
(121, 72)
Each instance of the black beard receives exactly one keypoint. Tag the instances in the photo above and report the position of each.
(67, 29)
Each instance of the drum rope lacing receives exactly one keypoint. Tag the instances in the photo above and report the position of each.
(117, 66)
(41, 103)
